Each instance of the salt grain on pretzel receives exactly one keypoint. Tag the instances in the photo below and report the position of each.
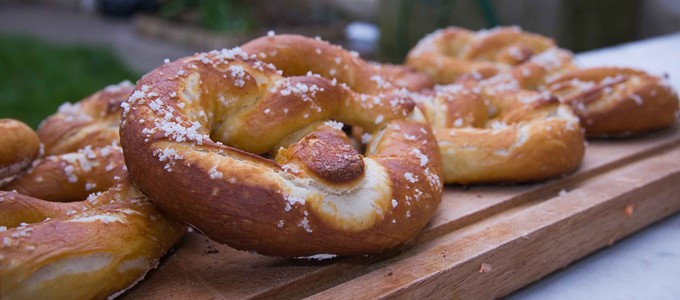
(192, 131)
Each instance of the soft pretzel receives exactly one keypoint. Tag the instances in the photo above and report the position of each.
(20, 145)
(447, 54)
(490, 136)
(90, 249)
(297, 55)
(71, 176)
(615, 101)
(192, 130)
(92, 121)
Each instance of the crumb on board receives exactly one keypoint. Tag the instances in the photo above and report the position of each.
(629, 210)
(485, 268)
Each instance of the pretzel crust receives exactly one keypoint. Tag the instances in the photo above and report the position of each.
(613, 101)
(193, 128)
(20, 146)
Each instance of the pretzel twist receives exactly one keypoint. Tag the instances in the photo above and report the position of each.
(615, 101)
(193, 128)
(20, 145)
(447, 54)
(85, 249)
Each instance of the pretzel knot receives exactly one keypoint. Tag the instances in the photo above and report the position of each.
(193, 129)
(490, 136)
(447, 54)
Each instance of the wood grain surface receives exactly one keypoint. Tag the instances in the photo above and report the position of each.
(483, 242)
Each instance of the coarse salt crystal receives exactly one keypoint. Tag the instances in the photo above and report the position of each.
(410, 177)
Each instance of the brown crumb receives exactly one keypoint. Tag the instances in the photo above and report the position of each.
(629, 210)
(485, 268)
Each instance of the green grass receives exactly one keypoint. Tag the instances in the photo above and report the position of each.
(36, 77)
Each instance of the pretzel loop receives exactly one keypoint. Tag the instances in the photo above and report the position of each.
(194, 127)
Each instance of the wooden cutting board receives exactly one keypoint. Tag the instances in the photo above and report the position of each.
(483, 242)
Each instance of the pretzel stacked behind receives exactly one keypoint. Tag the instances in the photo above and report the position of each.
(194, 127)
(615, 101)
(487, 136)
(92, 121)
(610, 101)
(71, 176)
(88, 248)
(81, 144)
(447, 54)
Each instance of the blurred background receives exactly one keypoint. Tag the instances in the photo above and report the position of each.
(55, 51)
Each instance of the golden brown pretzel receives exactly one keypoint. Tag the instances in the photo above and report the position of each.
(193, 127)
(615, 101)
(89, 249)
(92, 121)
(297, 55)
(81, 143)
(447, 54)
(20, 145)
(491, 136)
(71, 176)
